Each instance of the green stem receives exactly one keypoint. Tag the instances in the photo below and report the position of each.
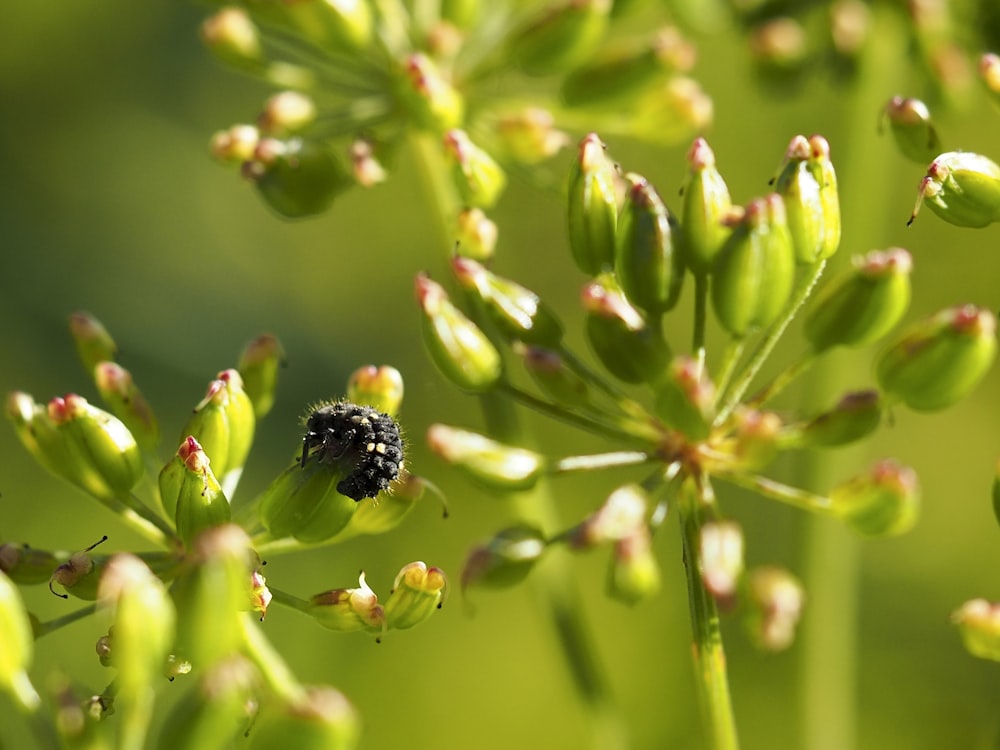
(600, 461)
(60, 622)
(288, 600)
(273, 668)
(700, 316)
(142, 520)
(785, 378)
(730, 358)
(794, 496)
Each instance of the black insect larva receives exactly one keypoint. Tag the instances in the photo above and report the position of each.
(359, 437)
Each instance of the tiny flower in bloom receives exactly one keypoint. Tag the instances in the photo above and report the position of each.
(417, 593)
(349, 610)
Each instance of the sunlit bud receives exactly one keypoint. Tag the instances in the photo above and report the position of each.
(862, 305)
(773, 605)
(706, 206)
(479, 179)
(855, 416)
(81, 574)
(377, 517)
(378, 387)
(296, 177)
(368, 170)
(214, 711)
(26, 565)
(93, 342)
(720, 558)
(322, 719)
(303, 502)
(779, 45)
(553, 377)
(630, 348)
(563, 35)
(518, 313)
(434, 102)
(808, 187)
(884, 501)
(236, 144)
(619, 75)
(505, 560)
(259, 365)
(199, 502)
(477, 235)
(938, 361)
(233, 37)
(223, 423)
(989, 73)
(633, 573)
(341, 25)
(962, 188)
(672, 113)
(978, 623)
(486, 461)
(912, 129)
(211, 593)
(123, 397)
(38, 434)
(286, 112)
(417, 593)
(16, 646)
(621, 514)
(530, 135)
(685, 398)
(462, 352)
(755, 269)
(593, 208)
(648, 264)
(349, 610)
(143, 619)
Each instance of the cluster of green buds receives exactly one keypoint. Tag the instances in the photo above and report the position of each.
(360, 79)
(189, 605)
(691, 422)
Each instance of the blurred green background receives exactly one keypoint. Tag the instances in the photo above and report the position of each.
(109, 203)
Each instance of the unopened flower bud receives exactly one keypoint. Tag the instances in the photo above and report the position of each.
(685, 398)
(978, 623)
(476, 237)
(593, 209)
(779, 46)
(672, 113)
(349, 610)
(232, 36)
(322, 719)
(126, 401)
(381, 388)
(234, 145)
(417, 593)
(303, 502)
(885, 501)
(530, 136)
(755, 438)
(621, 514)
(938, 361)
(564, 35)
(962, 188)
(434, 102)
(461, 351)
(912, 129)
(720, 558)
(259, 365)
(989, 73)
(773, 607)
(286, 112)
(81, 574)
(296, 177)
(706, 206)
(808, 187)
(365, 164)
(93, 342)
(341, 25)
(16, 646)
(755, 269)
(504, 560)
(196, 497)
(26, 565)
(478, 177)
(633, 573)
(862, 305)
(388, 512)
(552, 375)
(855, 416)
(519, 313)
(630, 348)
(486, 461)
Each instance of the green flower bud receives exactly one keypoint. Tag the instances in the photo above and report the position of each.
(669, 114)
(633, 574)
(80, 574)
(647, 265)
(223, 423)
(486, 461)
(349, 610)
(884, 501)
(258, 367)
(38, 434)
(755, 269)
(720, 558)
(388, 512)
(978, 623)
(233, 37)
(234, 145)
(519, 313)
(551, 374)
(303, 502)
(122, 395)
(754, 441)
(477, 235)
(26, 565)
(856, 416)
(479, 179)
(461, 351)
(593, 209)
(962, 188)
(773, 605)
(336, 25)
(779, 47)
(989, 73)
(619, 517)
(196, 497)
(93, 342)
(378, 387)
(938, 361)
(862, 305)
(808, 186)
(685, 398)
(912, 129)
(614, 78)
(505, 560)
(16, 646)
(286, 112)
(630, 348)
(530, 136)
(563, 36)
(296, 177)
(321, 720)
(706, 206)
(433, 101)
(417, 593)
